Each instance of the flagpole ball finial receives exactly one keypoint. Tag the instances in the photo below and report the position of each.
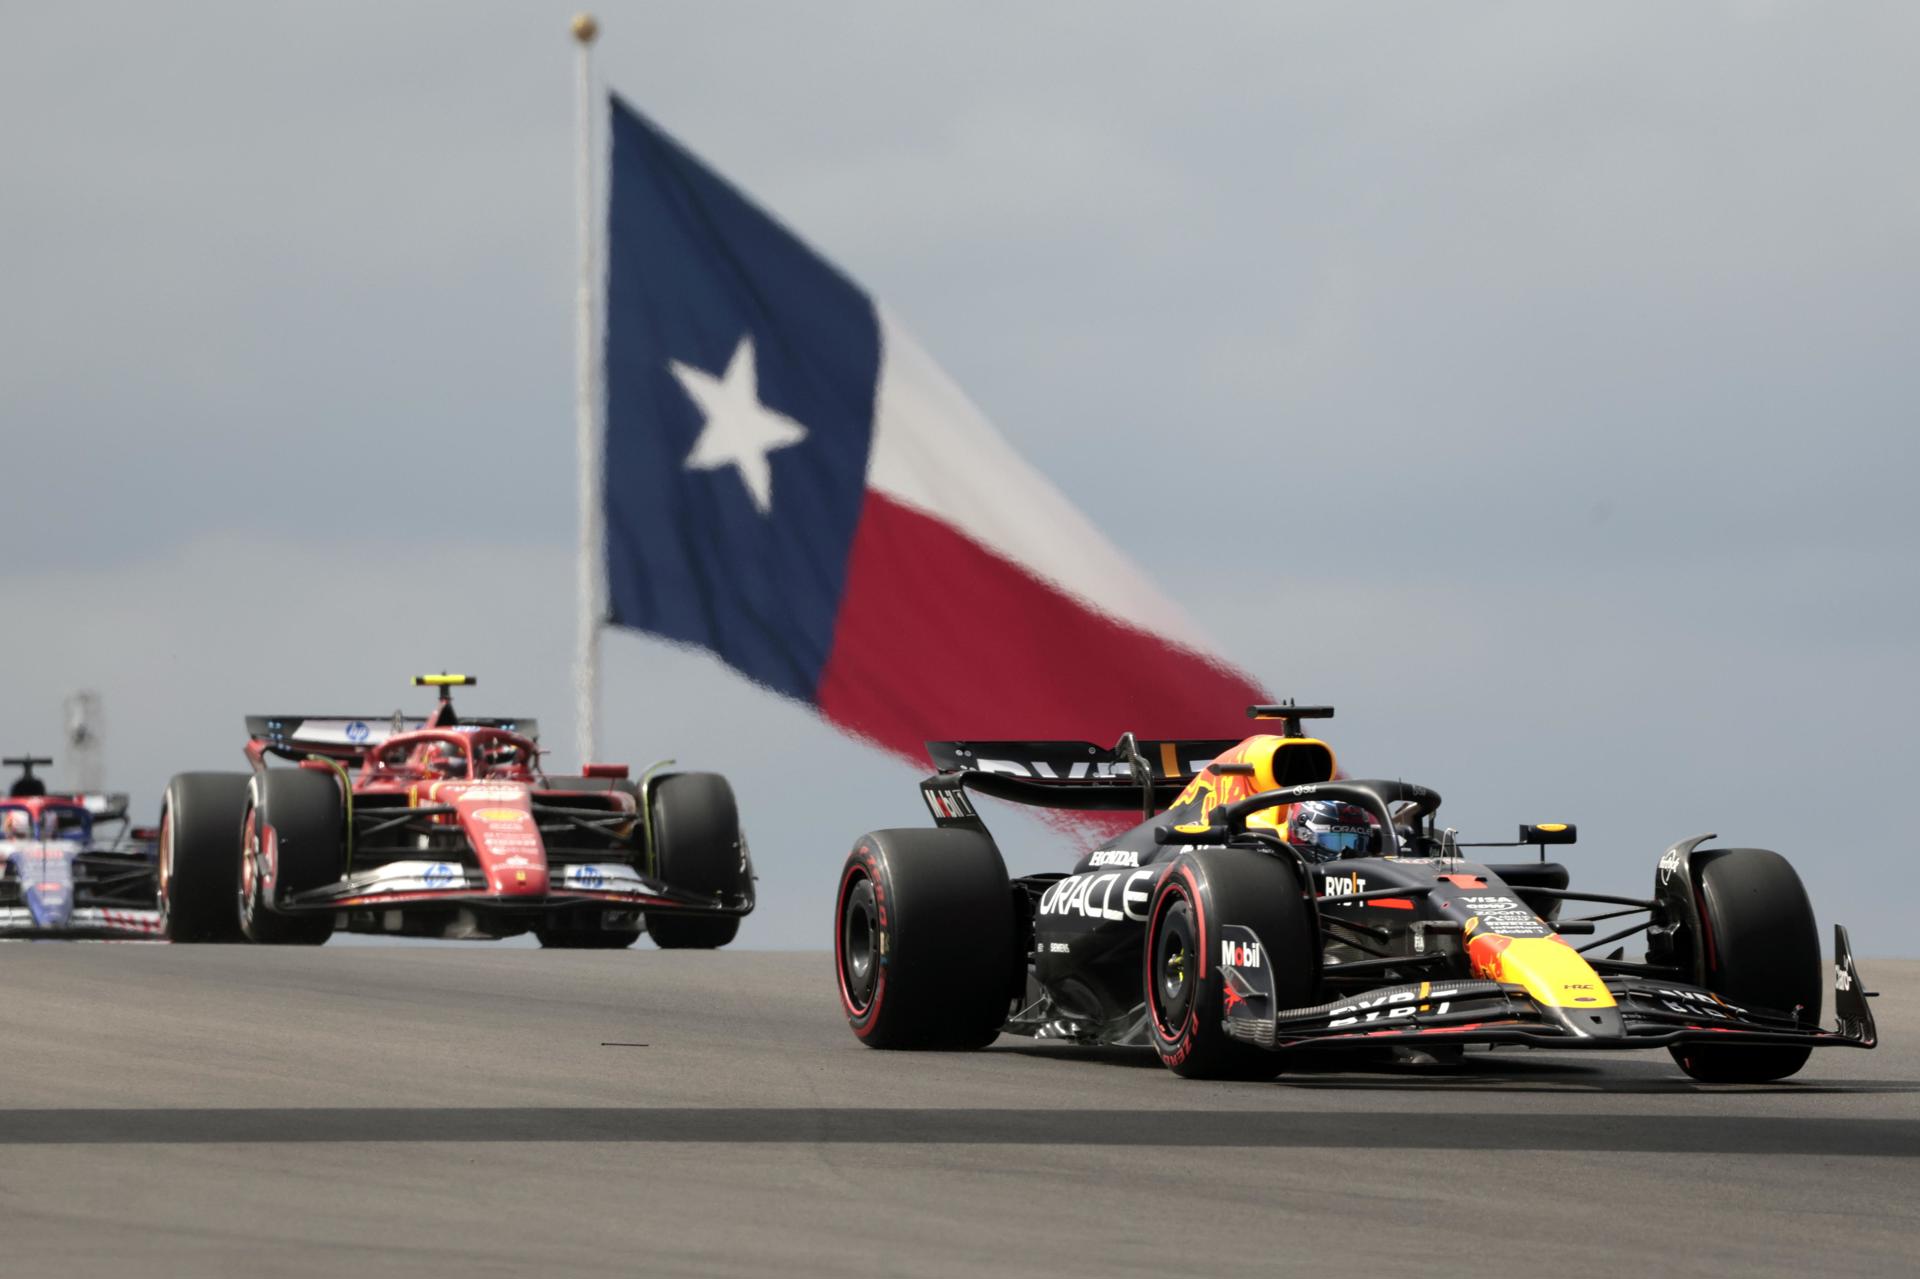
(585, 27)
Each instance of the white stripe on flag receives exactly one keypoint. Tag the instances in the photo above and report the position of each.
(935, 451)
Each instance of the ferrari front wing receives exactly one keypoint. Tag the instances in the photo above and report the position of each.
(435, 883)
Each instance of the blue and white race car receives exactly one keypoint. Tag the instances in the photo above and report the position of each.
(62, 875)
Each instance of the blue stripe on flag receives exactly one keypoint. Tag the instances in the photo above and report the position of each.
(737, 540)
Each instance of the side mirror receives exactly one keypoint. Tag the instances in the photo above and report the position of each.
(1549, 833)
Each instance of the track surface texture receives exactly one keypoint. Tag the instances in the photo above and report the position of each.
(470, 1111)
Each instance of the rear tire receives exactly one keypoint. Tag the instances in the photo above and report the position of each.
(1202, 892)
(923, 939)
(697, 847)
(304, 811)
(1759, 947)
(199, 865)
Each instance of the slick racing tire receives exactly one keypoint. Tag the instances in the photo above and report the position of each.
(199, 866)
(923, 939)
(583, 933)
(697, 847)
(1760, 948)
(292, 839)
(1202, 892)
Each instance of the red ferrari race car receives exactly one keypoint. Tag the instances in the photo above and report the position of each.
(445, 827)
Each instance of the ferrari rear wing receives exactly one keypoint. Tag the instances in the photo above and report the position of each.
(347, 737)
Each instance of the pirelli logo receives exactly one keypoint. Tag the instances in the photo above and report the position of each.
(947, 803)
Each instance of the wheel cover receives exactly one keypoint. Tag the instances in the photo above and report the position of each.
(1175, 958)
(858, 945)
(250, 874)
(165, 871)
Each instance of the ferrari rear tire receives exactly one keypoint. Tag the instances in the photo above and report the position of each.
(302, 811)
(1202, 892)
(1760, 947)
(697, 847)
(198, 856)
(923, 939)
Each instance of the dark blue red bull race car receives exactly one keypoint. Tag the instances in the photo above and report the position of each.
(1266, 905)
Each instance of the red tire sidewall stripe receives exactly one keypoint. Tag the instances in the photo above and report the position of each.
(863, 865)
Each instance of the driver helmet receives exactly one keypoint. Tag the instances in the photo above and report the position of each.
(503, 758)
(445, 759)
(1326, 829)
(16, 823)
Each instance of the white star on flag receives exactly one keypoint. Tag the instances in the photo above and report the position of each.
(740, 431)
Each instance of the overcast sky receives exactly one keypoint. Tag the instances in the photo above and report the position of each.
(1535, 383)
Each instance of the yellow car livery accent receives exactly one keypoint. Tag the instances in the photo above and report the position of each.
(1276, 762)
(1554, 974)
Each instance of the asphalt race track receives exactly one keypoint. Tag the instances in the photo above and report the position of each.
(475, 1111)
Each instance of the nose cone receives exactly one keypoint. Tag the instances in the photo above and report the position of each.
(499, 823)
(48, 875)
(1557, 977)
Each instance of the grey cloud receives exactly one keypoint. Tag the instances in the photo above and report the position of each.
(1535, 384)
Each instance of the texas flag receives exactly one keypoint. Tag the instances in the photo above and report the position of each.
(793, 483)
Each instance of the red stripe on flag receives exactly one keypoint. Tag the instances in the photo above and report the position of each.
(940, 639)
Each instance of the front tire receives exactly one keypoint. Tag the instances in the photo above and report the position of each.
(1202, 892)
(293, 831)
(697, 846)
(198, 863)
(1760, 947)
(923, 939)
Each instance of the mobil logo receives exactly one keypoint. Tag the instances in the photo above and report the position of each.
(1239, 954)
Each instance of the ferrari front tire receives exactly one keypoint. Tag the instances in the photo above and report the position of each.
(1761, 949)
(1202, 892)
(923, 939)
(697, 847)
(198, 862)
(302, 812)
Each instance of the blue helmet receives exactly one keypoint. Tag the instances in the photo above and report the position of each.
(1326, 829)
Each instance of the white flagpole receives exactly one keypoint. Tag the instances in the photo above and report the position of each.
(587, 408)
